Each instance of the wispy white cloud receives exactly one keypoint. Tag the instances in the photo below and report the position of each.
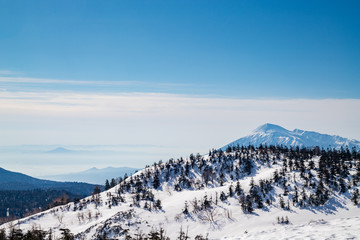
(59, 81)
(8, 72)
(164, 118)
(12, 79)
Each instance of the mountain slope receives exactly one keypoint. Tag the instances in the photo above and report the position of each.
(271, 134)
(244, 192)
(94, 175)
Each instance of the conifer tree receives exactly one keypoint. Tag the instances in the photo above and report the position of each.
(238, 189)
(113, 182)
(156, 181)
(107, 185)
(355, 197)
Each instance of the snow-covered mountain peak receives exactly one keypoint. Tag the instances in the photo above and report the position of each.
(271, 134)
(268, 127)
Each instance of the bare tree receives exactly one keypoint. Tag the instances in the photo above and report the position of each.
(89, 215)
(80, 216)
(209, 215)
(60, 217)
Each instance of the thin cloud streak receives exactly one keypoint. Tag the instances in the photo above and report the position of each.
(59, 81)
(8, 72)
(80, 82)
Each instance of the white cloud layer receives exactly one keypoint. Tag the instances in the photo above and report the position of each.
(141, 118)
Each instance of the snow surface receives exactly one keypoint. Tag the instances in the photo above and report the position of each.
(338, 220)
(342, 228)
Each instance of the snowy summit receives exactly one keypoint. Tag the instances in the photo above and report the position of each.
(271, 134)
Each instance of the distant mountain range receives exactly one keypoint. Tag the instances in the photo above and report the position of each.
(17, 181)
(272, 134)
(94, 175)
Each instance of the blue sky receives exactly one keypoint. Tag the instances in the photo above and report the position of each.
(182, 76)
(244, 49)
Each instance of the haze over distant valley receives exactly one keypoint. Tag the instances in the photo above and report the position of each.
(46, 160)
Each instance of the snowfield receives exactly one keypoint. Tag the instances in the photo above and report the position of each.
(229, 220)
(342, 228)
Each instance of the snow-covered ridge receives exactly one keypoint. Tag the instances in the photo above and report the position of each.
(241, 192)
(252, 193)
(271, 134)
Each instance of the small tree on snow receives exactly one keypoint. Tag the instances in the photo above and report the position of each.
(355, 197)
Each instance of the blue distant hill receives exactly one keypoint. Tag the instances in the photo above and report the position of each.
(61, 150)
(17, 181)
(94, 175)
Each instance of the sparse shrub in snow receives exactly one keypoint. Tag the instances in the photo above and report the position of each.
(282, 220)
(178, 217)
(60, 217)
(89, 215)
(186, 208)
(209, 215)
(201, 237)
(80, 216)
(227, 213)
(183, 235)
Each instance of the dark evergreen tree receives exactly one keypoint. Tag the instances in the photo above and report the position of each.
(16, 234)
(231, 192)
(222, 196)
(281, 202)
(156, 181)
(113, 182)
(186, 209)
(2, 234)
(35, 234)
(158, 204)
(66, 234)
(248, 204)
(107, 185)
(238, 189)
(355, 197)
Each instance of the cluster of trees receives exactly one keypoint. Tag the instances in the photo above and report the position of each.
(26, 202)
(156, 234)
(283, 220)
(110, 184)
(308, 177)
(182, 174)
(38, 234)
(34, 234)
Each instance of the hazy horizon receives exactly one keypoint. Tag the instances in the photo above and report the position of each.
(46, 160)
